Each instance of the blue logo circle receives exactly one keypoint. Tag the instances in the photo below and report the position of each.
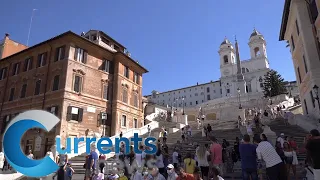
(11, 143)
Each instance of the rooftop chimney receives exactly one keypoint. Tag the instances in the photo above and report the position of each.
(6, 35)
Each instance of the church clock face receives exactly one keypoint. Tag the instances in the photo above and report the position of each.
(226, 72)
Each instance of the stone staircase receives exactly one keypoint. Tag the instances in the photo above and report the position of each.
(78, 161)
(221, 130)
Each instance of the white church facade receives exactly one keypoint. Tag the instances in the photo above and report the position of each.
(237, 77)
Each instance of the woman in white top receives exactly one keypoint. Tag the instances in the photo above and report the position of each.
(291, 159)
(202, 157)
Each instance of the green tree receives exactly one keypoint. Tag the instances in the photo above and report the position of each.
(273, 84)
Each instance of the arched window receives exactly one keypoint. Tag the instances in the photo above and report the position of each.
(225, 59)
(243, 70)
(257, 52)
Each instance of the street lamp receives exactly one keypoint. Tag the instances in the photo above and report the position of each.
(316, 91)
(183, 106)
(240, 107)
(270, 95)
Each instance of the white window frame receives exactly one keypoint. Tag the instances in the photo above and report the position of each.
(53, 110)
(41, 60)
(80, 55)
(3, 72)
(135, 77)
(73, 109)
(106, 67)
(60, 54)
(16, 69)
(121, 121)
(80, 83)
(135, 123)
(28, 64)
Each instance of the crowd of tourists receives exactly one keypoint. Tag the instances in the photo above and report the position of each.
(215, 160)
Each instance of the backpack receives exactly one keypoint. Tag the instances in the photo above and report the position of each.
(234, 156)
(179, 158)
(165, 134)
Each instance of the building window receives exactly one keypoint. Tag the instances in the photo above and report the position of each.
(135, 123)
(124, 95)
(77, 83)
(208, 89)
(202, 93)
(292, 43)
(28, 64)
(135, 99)
(214, 91)
(299, 76)
(261, 85)
(56, 81)
(60, 53)
(23, 91)
(190, 103)
(75, 113)
(306, 107)
(297, 27)
(225, 59)
(54, 110)
(11, 96)
(208, 97)
(136, 78)
(37, 88)
(126, 71)
(124, 120)
(105, 94)
(115, 47)
(228, 90)
(3, 73)
(196, 94)
(313, 11)
(42, 60)
(312, 99)
(80, 55)
(305, 64)
(15, 69)
(94, 37)
(107, 66)
(196, 102)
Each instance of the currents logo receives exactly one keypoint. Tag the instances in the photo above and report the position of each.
(45, 120)
(11, 143)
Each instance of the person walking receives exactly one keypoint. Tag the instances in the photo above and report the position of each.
(149, 131)
(189, 164)
(249, 159)
(313, 149)
(209, 129)
(172, 175)
(275, 168)
(216, 154)
(202, 157)
(290, 160)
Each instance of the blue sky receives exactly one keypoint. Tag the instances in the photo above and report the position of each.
(176, 40)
